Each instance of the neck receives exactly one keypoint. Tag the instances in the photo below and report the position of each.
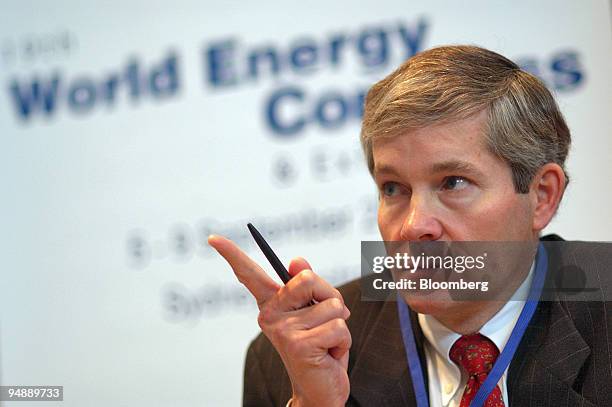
(470, 318)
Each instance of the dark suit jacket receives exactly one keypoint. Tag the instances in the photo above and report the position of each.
(564, 358)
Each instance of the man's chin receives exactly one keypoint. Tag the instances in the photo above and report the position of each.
(433, 303)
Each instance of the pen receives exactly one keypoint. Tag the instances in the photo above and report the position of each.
(270, 255)
(277, 265)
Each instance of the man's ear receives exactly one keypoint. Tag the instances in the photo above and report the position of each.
(547, 189)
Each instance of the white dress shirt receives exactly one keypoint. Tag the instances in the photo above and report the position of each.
(446, 379)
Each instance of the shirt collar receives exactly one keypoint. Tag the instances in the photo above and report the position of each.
(499, 328)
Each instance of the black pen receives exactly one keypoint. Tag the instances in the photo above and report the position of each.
(270, 255)
(277, 265)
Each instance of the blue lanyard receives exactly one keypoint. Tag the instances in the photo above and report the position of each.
(500, 366)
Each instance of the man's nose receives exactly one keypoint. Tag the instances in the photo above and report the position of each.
(420, 223)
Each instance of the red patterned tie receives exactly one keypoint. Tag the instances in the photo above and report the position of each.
(476, 354)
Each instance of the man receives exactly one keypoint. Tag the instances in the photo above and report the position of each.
(463, 146)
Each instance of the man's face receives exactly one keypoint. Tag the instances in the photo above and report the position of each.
(442, 183)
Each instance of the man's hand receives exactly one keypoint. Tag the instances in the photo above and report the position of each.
(313, 341)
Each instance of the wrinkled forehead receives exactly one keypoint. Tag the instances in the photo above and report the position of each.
(457, 147)
(459, 141)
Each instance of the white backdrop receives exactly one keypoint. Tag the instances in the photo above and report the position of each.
(129, 132)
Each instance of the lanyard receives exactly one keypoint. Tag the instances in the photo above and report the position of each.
(504, 359)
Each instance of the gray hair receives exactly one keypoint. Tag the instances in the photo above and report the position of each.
(524, 125)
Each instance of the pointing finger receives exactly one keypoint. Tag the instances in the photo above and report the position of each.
(246, 270)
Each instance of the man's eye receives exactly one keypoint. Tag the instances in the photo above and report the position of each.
(455, 183)
(389, 188)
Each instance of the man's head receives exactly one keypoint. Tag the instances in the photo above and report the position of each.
(477, 144)
(464, 146)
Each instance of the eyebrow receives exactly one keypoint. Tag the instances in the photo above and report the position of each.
(445, 166)
(385, 169)
(455, 166)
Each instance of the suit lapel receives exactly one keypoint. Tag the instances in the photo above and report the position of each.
(380, 375)
(548, 361)
(550, 356)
